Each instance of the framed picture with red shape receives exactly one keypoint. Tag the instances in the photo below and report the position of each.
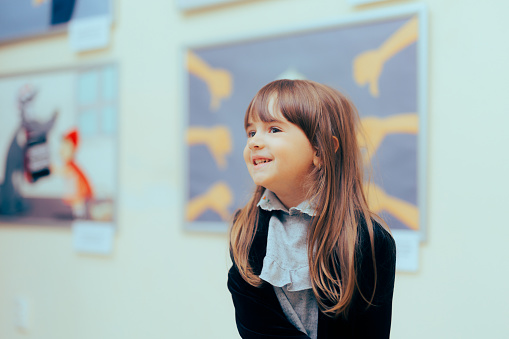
(58, 146)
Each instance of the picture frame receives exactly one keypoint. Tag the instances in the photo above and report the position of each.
(322, 51)
(59, 146)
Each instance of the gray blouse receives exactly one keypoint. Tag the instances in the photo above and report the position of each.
(285, 265)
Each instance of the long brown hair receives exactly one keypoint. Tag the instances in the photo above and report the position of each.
(335, 188)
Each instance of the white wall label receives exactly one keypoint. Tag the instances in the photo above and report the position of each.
(92, 237)
(407, 250)
(89, 33)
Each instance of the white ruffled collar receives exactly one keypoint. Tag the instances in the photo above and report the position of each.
(270, 202)
(285, 264)
(294, 280)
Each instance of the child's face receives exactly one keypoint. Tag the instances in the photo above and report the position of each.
(279, 156)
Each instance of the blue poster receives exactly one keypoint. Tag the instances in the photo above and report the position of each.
(375, 64)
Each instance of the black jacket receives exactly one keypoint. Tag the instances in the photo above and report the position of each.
(258, 313)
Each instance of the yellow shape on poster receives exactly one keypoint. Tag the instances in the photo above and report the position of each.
(368, 65)
(218, 198)
(218, 139)
(379, 201)
(375, 129)
(219, 81)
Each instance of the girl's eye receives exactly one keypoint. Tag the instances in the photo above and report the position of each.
(274, 130)
(251, 134)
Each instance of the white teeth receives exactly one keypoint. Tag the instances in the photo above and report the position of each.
(260, 161)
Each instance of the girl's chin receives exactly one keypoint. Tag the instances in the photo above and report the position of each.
(260, 182)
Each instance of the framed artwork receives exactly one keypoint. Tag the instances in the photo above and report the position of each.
(376, 58)
(58, 146)
(27, 18)
(187, 5)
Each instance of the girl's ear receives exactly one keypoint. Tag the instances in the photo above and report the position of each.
(317, 161)
(336, 143)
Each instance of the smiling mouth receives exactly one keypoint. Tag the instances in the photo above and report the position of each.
(261, 161)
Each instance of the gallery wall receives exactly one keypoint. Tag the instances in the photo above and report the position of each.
(162, 281)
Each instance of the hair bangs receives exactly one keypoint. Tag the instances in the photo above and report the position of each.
(285, 97)
(258, 109)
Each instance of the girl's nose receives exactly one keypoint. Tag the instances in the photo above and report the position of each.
(255, 142)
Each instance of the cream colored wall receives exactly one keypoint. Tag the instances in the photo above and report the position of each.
(161, 282)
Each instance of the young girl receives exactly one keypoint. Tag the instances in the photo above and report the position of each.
(309, 258)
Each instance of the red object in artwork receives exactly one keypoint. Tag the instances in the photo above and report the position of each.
(73, 137)
(83, 186)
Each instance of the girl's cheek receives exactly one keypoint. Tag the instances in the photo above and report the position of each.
(246, 154)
